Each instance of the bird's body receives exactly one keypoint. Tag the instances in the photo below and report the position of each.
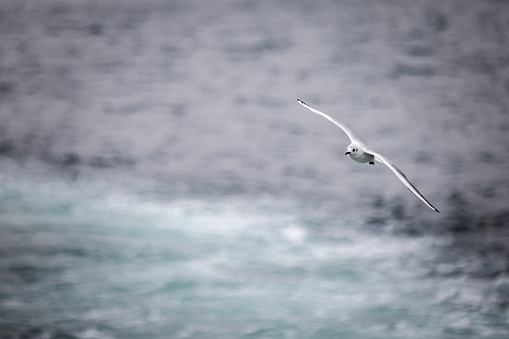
(361, 156)
(361, 153)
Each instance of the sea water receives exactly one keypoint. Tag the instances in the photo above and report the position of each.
(158, 178)
(79, 261)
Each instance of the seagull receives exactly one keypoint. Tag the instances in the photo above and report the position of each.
(359, 152)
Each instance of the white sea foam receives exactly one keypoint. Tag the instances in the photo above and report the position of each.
(190, 266)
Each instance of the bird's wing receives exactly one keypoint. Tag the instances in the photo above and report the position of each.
(401, 176)
(350, 134)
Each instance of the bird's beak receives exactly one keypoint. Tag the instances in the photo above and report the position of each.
(347, 153)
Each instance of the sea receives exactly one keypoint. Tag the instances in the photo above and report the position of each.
(158, 178)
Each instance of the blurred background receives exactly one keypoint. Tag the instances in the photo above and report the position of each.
(158, 178)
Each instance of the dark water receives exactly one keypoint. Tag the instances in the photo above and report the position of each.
(159, 180)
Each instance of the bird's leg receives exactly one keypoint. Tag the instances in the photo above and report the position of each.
(371, 162)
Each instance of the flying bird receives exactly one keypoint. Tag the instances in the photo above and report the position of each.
(359, 152)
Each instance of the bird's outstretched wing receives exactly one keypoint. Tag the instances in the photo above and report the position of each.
(401, 176)
(348, 132)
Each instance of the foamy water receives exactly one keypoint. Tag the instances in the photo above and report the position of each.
(87, 263)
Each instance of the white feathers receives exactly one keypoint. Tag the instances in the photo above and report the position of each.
(359, 152)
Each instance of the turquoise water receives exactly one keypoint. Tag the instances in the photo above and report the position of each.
(79, 261)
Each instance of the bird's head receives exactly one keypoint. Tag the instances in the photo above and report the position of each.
(351, 149)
